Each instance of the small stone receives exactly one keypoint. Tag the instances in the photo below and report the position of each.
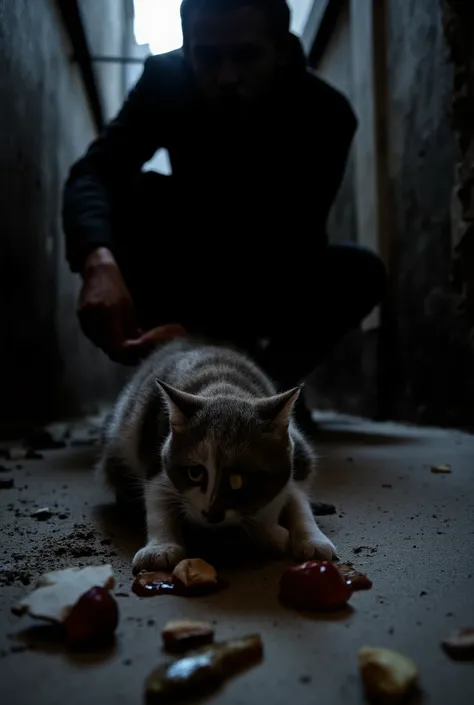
(460, 644)
(6, 483)
(441, 469)
(42, 514)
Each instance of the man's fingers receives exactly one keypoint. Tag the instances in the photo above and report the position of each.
(147, 342)
(130, 328)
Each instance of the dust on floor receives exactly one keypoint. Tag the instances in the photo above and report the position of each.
(410, 529)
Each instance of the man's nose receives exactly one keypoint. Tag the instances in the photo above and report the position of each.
(227, 76)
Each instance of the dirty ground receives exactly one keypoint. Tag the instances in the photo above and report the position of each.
(411, 529)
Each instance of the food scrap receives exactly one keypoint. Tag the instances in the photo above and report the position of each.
(460, 644)
(354, 579)
(195, 573)
(441, 469)
(203, 671)
(388, 676)
(79, 600)
(56, 593)
(183, 635)
(317, 586)
(93, 619)
(191, 577)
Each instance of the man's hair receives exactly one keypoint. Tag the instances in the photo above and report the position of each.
(277, 11)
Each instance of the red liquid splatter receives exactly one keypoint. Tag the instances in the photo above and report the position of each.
(151, 584)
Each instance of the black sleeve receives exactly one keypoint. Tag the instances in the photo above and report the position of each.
(117, 155)
(323, 141)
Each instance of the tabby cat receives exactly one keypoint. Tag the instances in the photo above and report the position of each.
(202, 430)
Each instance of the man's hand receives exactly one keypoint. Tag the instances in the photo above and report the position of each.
(147, 342)
(105, 308)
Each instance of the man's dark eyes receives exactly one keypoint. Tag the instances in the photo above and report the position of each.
(211, 57)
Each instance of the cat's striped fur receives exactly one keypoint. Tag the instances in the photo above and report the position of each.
(203, 431)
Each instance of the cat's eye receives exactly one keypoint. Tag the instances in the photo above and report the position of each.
(196, 473)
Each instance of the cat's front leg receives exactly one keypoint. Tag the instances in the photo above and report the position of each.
(165, 547)
(273, 538)
(306, 538)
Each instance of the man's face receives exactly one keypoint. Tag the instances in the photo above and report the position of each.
(233, 56)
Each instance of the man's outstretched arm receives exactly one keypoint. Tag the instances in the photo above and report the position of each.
(97, 181)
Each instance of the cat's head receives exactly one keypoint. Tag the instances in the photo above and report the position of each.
(228, 456)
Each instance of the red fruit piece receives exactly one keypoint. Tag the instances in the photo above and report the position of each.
(316, 586)
(93, 619)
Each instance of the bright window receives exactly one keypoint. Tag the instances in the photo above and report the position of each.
(158, 23)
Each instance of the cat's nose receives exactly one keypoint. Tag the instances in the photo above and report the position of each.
(214, 516)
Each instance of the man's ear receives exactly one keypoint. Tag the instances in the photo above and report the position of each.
(278, 409)
(181, 405)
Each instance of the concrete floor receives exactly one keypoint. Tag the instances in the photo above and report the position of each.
(417, 527)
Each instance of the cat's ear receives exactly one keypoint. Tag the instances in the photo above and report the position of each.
(182, 406)
(278, 409)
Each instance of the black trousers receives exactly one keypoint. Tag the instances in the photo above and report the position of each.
(241, 277)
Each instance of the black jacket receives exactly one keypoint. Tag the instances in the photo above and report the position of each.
(289, 167)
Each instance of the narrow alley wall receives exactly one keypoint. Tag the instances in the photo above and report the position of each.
(46, 367)
(434, 357)
(427, 373)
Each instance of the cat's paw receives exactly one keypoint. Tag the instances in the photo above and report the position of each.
(312, 546)
(158, 556)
